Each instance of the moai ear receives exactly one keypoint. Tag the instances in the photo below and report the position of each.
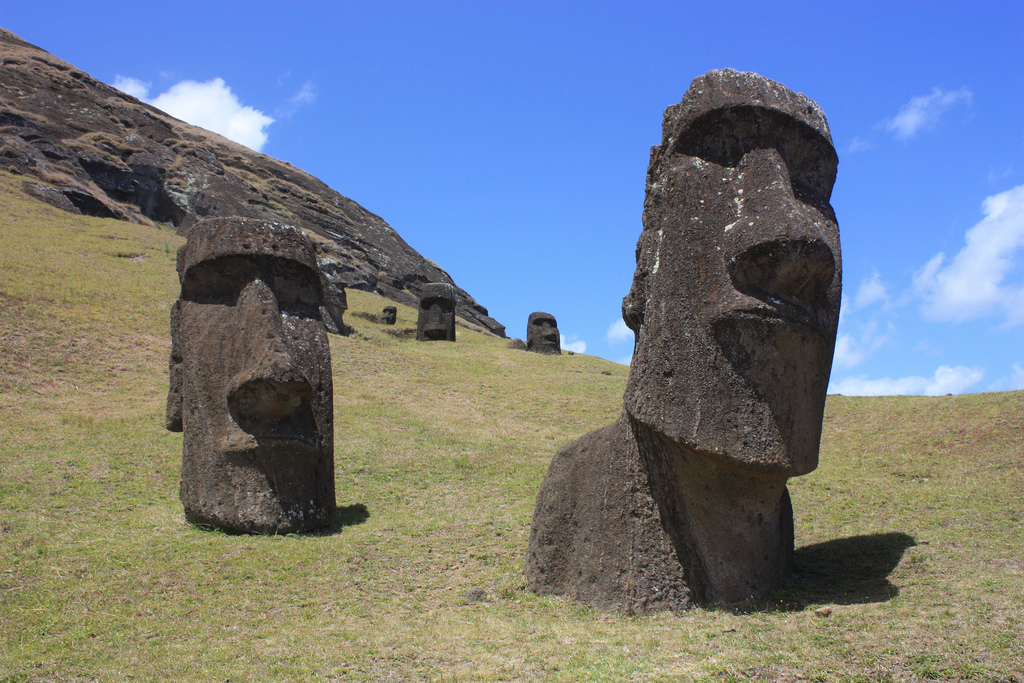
(173, 417)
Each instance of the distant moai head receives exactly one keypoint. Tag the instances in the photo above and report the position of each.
(437, 313)
(250, 379)
(542, 334)
(390, 315)
(735, 299)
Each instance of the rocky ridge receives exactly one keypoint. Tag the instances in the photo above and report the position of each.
(88, 148)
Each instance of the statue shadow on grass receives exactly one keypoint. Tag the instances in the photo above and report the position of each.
(349, 515)
(844, 571)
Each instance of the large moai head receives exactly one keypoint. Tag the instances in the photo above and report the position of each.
(542, 334)
(389, 315)
(436, 320)
(250, 379)
(735, 299)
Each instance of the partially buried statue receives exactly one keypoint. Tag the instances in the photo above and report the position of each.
(389, 315)
(542, 334)
(734, 305)
(436, 320)
(250, 379)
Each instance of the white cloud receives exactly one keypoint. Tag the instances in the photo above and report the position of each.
(209, 105)
(871, 291)
(923, 112)
(625, 360)
(852, 350)
(618, 332)
(1013, 382)
(972, 284)
(572, 343)
(947, 380)
(132, 86)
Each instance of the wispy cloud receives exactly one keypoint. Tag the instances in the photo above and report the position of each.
(306, 95)
(947, 380)
(1012, 382)
(923, 112)
(852, 350)
(871, 291)
(572, 343)
(618, 332)
(859, 144)
(210, 105)
(974, 283)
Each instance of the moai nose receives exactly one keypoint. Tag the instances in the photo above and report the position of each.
(270, 385)
(785, 269)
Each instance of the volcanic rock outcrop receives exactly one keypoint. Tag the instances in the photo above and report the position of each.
(86, 147)
(250, 379)
(734, 304)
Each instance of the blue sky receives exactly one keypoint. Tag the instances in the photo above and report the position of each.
(509, 141)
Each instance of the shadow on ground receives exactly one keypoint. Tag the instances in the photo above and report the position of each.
(844, 571)
(349, 515)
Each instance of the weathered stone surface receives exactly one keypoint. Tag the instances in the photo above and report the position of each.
(250, 379)
(335, 301)
(542, 334)
(389, 315)
(113, 156)
(516, 344)
(436, 320)
(734, 304)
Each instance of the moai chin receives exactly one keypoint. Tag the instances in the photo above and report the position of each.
(436, 320)
(542, 334)
(734, 307)
(250, 379)
(389, 315)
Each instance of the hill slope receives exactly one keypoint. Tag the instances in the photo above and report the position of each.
(91, 149)
(910, 531)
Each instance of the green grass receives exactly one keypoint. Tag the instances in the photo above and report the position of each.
(910, 530)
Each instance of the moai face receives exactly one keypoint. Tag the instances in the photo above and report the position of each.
(542, 334)
(389, 315)
(437, 313)
(735, 299)
(251, 379)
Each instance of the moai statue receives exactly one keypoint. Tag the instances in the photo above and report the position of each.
(437, 313)
(335, 302)
(390, 315)
(250, 379)
(542, 334)
(734, 306)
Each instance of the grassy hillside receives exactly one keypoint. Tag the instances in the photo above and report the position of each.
(910, 532)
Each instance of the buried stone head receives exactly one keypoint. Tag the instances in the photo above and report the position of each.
(734, 306)
(250, 379)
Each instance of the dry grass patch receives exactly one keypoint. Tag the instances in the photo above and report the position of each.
(910, 531)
